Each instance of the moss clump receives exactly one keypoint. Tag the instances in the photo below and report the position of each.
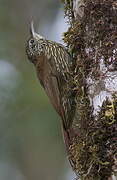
(97, 30)
(93, 153)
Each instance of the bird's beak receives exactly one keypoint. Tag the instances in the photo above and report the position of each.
(32, 29)
(33, 33)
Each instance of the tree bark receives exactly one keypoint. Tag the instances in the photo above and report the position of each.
(92, 41)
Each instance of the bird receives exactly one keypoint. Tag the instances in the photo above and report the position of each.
(54, 67)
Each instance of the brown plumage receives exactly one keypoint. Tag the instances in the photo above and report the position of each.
(54, 69)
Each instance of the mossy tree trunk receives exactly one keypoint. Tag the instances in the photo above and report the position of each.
(92, 41)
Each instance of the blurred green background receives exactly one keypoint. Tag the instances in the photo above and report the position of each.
(31, 143)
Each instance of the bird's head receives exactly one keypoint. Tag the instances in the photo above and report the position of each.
(34, 46)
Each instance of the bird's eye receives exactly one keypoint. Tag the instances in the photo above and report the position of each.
(31, 41)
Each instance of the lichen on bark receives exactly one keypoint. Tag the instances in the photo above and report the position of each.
(92, 41)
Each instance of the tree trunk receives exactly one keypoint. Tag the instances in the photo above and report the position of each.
(92, 41)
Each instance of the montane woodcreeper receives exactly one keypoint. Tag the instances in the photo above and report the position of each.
(54, 69)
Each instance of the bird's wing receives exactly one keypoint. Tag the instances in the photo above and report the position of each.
(47, 77)
(66, 97)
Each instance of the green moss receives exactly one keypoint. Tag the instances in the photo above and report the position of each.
(92, 152)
